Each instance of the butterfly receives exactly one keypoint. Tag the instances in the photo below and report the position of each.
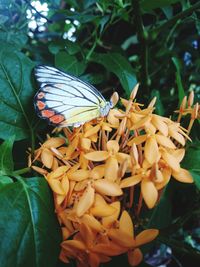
(65, 100)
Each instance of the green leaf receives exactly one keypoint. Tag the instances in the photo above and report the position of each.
(71, 47)
(93, 78)
(6, 158)
(196, 176)
(102, 22)
(16, 101)
(168, 11)
(159, 105)
(192, 157)
(120, 66)
(150, 5)
(5, 180)
(29, 230)
(181, 92)
(162, 214)
(69, 63)
(18, 39)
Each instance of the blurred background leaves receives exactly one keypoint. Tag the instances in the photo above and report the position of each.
(113, 45)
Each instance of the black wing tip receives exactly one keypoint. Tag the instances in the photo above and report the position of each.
(39, 67)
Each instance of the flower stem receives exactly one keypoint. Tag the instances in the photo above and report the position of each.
(22, 171)
(173, 20)
(139, 205)
(143, 42)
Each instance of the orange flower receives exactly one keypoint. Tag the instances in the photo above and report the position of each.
(94, 173)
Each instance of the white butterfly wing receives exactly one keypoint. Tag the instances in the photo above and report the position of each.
(65, 100)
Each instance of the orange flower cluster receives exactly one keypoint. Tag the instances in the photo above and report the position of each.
(103, 159)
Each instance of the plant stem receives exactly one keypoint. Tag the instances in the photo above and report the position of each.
(177, 17)
(142, 39)
(22, 171)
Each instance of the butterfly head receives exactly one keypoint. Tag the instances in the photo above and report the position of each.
(106, 106)
(105, 109)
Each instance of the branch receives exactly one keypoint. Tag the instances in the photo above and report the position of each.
(143, 41)
(37, 12)
(173, 20)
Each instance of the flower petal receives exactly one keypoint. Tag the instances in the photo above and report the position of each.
(59, 199)
(177, 136)
(111, 169)
(112, 117)
(166, 173)
(79, 175)
(85, 201)
(92, 131)
(131, 181)
(164, 141)
(137, 140)
(39, 170)
(113, 146)
(54, 142)
(146, 236)
(94, 259)
(47, 158)
(109, 220)
(160, 124)
(171, 160)
(121, 238)
(135, 257)
(183, 176)
(85, 143)
(149, 193)
(151, 151)
(141, 123)
(58, 172)
(109, 249)
(102, 210)
(65, 233)
(126, 224)
(92, 222)
(73, 244)
(81, 185)
(106, 187)
(179, 154)
(56, 186)
(97, 155)
(65, 184)
(97, 172)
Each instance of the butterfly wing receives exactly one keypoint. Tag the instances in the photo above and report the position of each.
(65, 100)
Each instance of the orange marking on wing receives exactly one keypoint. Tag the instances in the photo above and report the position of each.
(47, 113)
(41, 95)
(41, 105)
(56, 119)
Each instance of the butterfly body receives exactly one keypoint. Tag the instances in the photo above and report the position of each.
(65, 100)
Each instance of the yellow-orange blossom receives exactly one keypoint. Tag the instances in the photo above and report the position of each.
(103, 159)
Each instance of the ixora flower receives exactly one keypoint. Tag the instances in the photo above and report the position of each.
(94, 169)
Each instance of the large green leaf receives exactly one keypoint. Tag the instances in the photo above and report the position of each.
(18, 39)
(119, 65)
(191, 162)
(29, 230)
(162, 214)
(196, 176)
(150, 5)
(5, 180)
(69, 63)
(16, 100)
(71, 47)
(6, 159)
(181, 92)
(192, 157)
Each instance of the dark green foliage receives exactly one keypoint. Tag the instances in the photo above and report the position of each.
(114, 45)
